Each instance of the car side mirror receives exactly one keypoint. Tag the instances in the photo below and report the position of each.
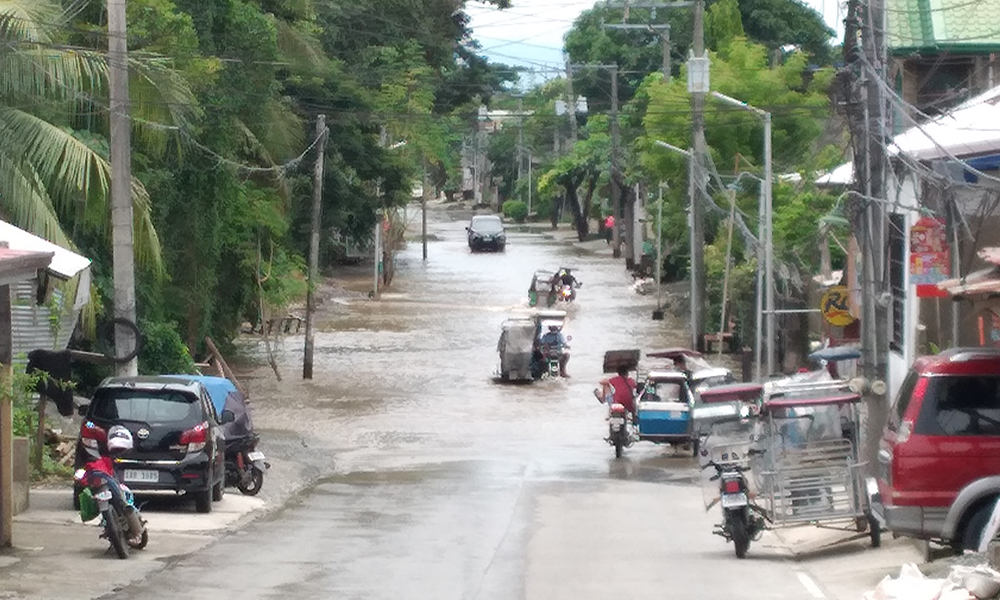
(227, 417)
(82, 410)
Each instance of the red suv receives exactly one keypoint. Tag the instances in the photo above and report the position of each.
(939, 457)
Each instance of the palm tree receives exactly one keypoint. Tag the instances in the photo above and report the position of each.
(50, 174)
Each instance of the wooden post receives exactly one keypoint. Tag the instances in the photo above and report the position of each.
(6, 423)
(317, 208)
(221, 362)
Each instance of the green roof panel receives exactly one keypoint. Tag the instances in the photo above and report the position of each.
(957, 25)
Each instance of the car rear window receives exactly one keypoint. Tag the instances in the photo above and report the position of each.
(966, 405)
(147, 407)
(902, 401)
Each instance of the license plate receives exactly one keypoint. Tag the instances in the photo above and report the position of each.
(142, 475)
(255, 456)
(734, 500)
(617, 421)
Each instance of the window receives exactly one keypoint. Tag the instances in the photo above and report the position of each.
(956, 406)
(902, 401)
(897, 278)
(147, 407)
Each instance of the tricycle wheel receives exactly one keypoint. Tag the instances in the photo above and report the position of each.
(695, 446)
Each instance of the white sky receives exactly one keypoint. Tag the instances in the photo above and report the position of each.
(530, 33)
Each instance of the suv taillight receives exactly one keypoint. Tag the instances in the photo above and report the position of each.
(195, 438)
(91, 435)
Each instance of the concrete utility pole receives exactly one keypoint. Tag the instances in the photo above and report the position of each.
(570, 103)
(123, 254)
(425, 193)
(864, 108)
(317, 211)
(699, 89)
(616, 196)
(520, 138)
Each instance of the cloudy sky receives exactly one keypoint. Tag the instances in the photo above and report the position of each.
(530, 33)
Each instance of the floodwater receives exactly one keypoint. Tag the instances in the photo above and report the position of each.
(443, 483)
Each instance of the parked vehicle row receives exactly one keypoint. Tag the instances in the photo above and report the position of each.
(188, 436)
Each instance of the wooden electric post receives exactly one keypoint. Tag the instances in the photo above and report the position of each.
(317, 212)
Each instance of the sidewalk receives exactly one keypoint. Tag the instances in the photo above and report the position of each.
(844, 569)
(56, 556)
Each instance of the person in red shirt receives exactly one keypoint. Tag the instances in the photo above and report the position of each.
(621, 387)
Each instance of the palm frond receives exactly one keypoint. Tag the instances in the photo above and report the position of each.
(71, 172)
(27, 20)
(25, 203)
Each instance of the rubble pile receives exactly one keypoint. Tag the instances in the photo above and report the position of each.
(963, 582)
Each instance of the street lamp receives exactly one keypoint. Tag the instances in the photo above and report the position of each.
(765, 233)
(691, 195)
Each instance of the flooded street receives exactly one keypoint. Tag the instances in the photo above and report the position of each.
(442, 484)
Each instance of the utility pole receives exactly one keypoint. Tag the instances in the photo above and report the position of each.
(317, 211)
(863, 105)
(123, 255)
(616, 201)
(698, 86)
(570, 103)
(520, 138)
(424, 194)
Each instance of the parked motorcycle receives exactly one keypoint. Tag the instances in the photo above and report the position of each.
(103, 496)
(245, 466)
(740, 522)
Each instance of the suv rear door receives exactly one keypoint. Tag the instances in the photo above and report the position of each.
(156, 418)
(955, 440)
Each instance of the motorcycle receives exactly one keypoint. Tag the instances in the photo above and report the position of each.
(103, 496)
(740, 523)
(245, 466)
(619, 428)
(552, 355)
(566, 293)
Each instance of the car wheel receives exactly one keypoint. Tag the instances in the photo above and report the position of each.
(973, 531)
(203, 500)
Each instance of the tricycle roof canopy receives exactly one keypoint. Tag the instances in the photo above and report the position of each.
(732, 392)
(779, 402)
(666, 376)
(673, 353)
(617, 359)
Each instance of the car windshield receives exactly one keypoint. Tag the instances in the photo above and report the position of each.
(662, 391)
(146, 406)
(487, 224)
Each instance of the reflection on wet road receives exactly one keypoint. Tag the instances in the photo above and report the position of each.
(448, 485)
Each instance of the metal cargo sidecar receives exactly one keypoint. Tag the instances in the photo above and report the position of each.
(516, 347)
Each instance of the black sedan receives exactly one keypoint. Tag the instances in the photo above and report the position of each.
(486, 232)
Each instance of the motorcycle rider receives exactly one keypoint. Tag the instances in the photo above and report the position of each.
(565, 277)
(622, 389)
(554, 338)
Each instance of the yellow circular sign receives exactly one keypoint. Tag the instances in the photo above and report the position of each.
(836, 306)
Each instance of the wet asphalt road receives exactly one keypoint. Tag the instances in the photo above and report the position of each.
(446, 485)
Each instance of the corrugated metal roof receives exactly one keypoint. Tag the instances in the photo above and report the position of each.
(65, 263)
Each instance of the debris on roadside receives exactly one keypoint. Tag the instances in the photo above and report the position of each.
(963, 582)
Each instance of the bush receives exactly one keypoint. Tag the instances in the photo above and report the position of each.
(163, 351)
(515, 210)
